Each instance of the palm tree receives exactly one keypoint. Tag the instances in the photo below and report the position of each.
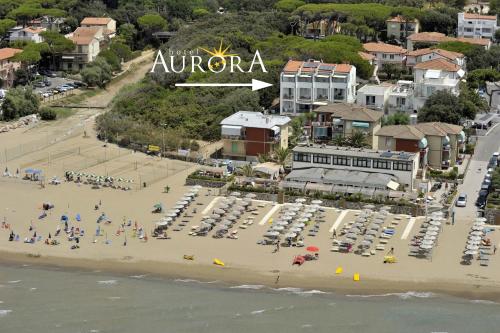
(281, 154)
(247, 170)
(338, 140)
(264, 158)
(357, 139)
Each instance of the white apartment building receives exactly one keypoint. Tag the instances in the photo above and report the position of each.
(401, 98)
(431, 76)
(28, 34)
(476, 25)
(402, 167)
(374, 96)
(306, 84)
(386, 53)
(422, 55)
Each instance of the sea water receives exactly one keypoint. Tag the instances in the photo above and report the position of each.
(45, 300)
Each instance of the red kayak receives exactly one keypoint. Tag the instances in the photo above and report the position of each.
(298, 260)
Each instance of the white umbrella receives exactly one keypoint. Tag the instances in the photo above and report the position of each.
(475, 238)
(436, 223)
(433, 228)
(471, 252)
(307, 215)
(294, 209)
(290, 213)
(236, 213)
(295, 229)
(426, 246)
(286, 218)
(481, 219)
(429, 237)
(283, 223)
(231, 217)
(183, 203)
(278, 228)
(351, 235)
(366, 243)
(427, 242)
(476, 233)
(162, 223)
(369, 206)
(291, 235)
(317, 202)
(235, 194)
(172, 214)
(371, 232)
(271, 234)
(431, 233)
(300, 200)
(437, 214)
(311, 210)
(477, 228)
(250, 195)
(374, 227)
(178, 207)
(303, 219)
(239, 208)
(197, 186)
(299, 225)
(472, 247)
(369, 237)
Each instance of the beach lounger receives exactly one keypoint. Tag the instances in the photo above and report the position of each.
(372, 252)
(484, 262)
(380, 247)
(365, 254)
(335, 248)
(243, 227)
(384, 241)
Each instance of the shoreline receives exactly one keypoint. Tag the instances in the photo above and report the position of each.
(236, 276)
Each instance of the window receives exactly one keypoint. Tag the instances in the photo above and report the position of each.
(337, 79)
(322, 79)
(338, 94)
(288, 93)
(288, 78)
(305, 79)
(384, 56)
(430, 91)
(321, 93)
(486, 30)
(341, 160)
(301, 157)
(304, 93)
(361, 162)
(234, 147)
(321, 159)
(401, 166)
(370, 100)
(382, 164)
(391, 56)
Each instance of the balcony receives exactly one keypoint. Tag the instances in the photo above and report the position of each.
(288, 96)
(322, 98)
(305, 98)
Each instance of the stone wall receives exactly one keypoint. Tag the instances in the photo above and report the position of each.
(204, 183)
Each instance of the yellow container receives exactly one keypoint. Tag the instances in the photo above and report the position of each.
(356, 277)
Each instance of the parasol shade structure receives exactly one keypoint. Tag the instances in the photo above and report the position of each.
(312, 248)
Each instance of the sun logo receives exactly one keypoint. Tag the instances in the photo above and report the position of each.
(219, 53)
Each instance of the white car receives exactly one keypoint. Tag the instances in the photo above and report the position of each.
(461, 200)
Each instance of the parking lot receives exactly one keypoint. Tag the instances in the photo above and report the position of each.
(51, 94)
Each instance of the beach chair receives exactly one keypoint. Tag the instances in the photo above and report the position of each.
(365, 254)
(335, 248)
(372, 252)
(380, 247)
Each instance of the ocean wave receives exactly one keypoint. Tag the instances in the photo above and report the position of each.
(406, 295)
(195, 281)
(299, 291)
(248, 286)
(138, 276)
(484, 301)
(114, 297)
(3, 313)
(107, 282)
(14, 281)
(256, 312)
(33, 289)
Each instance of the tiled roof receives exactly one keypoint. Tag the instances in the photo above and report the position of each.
(96, 20)
(438, 129)
(8, 52)
(366, 56)
(350, 112)
(475, 41)
(471, 16)
(439, 64)
(295, 66)
(86, 31)
(34, 30)
(400, 19)
(428, 37)
(447, 54)
(406, 132)
(383, 47)
(82, 40)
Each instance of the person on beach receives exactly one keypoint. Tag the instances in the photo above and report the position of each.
(494, 249)
(391, 251)
(334, 234)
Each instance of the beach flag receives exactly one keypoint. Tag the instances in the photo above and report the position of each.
(339, 270)
(356, 277)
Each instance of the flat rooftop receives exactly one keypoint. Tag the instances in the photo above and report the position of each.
(356, 152)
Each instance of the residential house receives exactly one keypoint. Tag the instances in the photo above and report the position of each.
(8, 66)
(422, 55)
(86, 49)
(433, 75)
(374, 96)
(386, 53)
(353, 170)
(493, 95)
(438, 143)
(106, 23)
(344, 119)
(368, 57)
(27, 34)
(433, 38)
(476, 25)
(401, 98)
(400, 28)
(306, 84)
(246, 134)
(47, 22)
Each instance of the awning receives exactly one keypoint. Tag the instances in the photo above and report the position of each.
(360, 124)
(393, 185)
(461, 137)
(68, 57)
(275, 129)
(231, 130)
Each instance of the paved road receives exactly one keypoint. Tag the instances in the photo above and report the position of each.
(488, 144)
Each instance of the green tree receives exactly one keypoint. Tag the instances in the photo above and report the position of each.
(247, 170)
(150, 23)
(127, 32)
(19, 102)
(47, 113)
(200, 13)
(56, 44)
(5, 25)
(497, 35)
(393, 71)
(281, 155)
(399, 118)
(97, 73)
(357, 139)
(339, 140)
(122, 51)
(288, 5)
(111, 58)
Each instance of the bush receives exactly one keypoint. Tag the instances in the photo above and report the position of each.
(48, 114)
(19, 102)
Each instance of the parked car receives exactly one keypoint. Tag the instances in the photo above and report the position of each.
(461, 200)
(39, 84)
(481, 199)
(79, 84)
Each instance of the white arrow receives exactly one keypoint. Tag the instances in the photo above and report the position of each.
(256, 85)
